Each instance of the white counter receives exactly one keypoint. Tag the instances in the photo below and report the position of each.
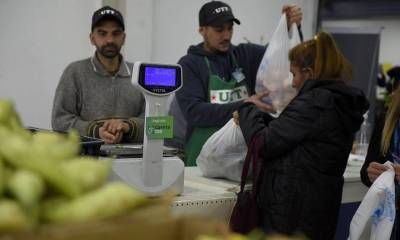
(205, 196)
(216, 197)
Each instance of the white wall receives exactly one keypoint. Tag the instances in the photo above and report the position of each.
(176, 23)
(38, 39)
(390, 35)
(139, 30)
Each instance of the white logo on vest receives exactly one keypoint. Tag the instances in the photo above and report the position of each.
(228, 95)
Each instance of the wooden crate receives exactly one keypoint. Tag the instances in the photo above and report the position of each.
(149, 222)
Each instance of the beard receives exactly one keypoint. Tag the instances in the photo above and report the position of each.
(109, 51)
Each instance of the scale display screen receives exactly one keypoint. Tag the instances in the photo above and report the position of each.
(160, 79)
(158, 76)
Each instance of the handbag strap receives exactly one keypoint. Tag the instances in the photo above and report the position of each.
(251, 157)
(257, 165)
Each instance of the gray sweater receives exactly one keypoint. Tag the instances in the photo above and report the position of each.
(87, 95)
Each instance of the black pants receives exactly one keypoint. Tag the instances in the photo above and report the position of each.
(396, 227)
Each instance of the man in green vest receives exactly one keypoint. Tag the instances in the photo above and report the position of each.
(218, 76)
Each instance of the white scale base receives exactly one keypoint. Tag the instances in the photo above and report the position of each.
(130, 170)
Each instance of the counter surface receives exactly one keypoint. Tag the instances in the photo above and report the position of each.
(216, 197)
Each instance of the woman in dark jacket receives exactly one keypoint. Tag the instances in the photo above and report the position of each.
(305, 149)
(385, 146)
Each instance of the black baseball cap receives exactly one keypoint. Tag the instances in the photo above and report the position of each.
(107, 13)
(216, 13)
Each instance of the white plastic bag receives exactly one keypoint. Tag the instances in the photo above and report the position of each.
(274, 71)
(377, 210)
(294, 36)
(223, 154)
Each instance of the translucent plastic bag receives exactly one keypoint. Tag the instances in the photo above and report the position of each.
(294, 36)
(376, 213)
(274, 71)
(223, 154)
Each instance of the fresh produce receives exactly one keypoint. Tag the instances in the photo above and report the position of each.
(27, 187)
(2, 178)
(5, 175)
(12, 217)
(9, 119)
(110, 200)
(56, 146)
(43, 179)
(20, 153)
(86, 172)
(230, 236)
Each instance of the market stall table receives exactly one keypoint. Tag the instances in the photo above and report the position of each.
(216, 197)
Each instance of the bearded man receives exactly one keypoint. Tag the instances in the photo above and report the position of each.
(95, 95)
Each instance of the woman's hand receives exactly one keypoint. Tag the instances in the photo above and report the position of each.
(396, 167)
(256, 99)
(294, 14)
(375, 169)
(235, 116)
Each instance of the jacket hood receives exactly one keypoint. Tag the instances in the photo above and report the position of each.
(199, 50)
(350, 102)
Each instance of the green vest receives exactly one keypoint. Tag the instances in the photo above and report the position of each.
(219, 92)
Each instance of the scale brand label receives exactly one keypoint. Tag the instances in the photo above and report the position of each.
(159, 127)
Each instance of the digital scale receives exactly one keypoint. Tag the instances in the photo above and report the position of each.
(154, 174)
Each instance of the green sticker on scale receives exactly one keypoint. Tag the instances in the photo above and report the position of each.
(159, 127)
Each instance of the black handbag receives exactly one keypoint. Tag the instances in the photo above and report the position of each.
(246, 214)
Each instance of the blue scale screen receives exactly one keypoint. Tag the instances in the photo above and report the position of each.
(156, 76)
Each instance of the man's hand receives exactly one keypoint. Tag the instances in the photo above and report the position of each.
(116, 125)
(256, 99)
(113, 130)
(108, 137)
(294, 14)
(374, 170)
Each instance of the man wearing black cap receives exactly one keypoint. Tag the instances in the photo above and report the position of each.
(95, 95)
(218, 77)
